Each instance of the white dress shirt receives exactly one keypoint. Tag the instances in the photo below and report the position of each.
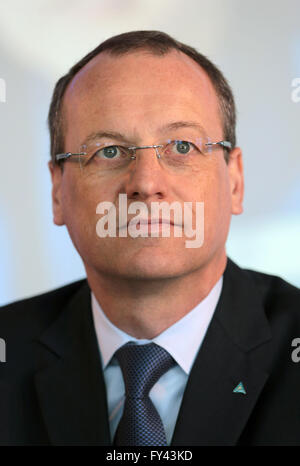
(182, 340)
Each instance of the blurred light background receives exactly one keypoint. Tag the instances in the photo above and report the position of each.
(257, 46)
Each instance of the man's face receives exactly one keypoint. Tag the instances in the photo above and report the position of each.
(138, 95)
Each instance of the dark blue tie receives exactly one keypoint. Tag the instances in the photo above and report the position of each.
(142, 366)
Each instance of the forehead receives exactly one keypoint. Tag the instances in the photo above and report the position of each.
(139, 90)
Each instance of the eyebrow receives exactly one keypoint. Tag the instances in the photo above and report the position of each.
(105, 134)
(183, 124)
(121, 137)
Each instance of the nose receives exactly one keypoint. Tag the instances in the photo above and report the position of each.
(146, 178)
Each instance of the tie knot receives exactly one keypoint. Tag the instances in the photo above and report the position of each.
(142, 366)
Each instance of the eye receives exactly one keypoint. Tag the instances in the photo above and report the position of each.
(109, 152)
(182, 147)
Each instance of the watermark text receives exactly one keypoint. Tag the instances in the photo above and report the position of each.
(296, 352)
(295, 94)
(157, 222)
(2, 90)
(2, 350)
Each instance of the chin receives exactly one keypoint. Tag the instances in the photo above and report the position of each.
(145, 259)
(155, 264)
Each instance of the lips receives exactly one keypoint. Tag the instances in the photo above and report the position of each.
(148, 221)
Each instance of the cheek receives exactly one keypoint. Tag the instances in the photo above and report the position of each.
(217, 203)
(79, 209)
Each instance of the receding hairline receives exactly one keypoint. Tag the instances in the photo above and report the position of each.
(139, 51)
(94, 62)
(155, 43)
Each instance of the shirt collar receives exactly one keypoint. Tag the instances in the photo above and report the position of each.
(182, 339)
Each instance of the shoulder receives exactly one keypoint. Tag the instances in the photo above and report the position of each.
(275, 290)
(280, 298)
(272, 287)
(33, 314)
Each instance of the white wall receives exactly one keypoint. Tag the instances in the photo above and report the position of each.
(257, 46)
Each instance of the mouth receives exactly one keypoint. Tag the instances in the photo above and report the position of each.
(153, 221)
(141, 222)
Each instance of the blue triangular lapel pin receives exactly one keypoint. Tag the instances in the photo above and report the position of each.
(240, 388)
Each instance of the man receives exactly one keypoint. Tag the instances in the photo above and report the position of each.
(164, 344)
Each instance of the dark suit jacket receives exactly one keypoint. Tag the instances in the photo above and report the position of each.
(52, 390)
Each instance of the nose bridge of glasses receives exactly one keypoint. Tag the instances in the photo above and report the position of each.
(156, 147)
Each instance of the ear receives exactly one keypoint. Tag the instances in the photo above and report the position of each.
(56, 177)
(236, 177)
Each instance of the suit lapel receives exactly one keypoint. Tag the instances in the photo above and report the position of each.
(236, 349)
(69, 383)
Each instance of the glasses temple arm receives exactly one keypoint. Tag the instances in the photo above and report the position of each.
(67, 155)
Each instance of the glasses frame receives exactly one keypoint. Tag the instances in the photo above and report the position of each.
(66, 155)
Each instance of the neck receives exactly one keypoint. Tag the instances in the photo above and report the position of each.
(145, 308)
